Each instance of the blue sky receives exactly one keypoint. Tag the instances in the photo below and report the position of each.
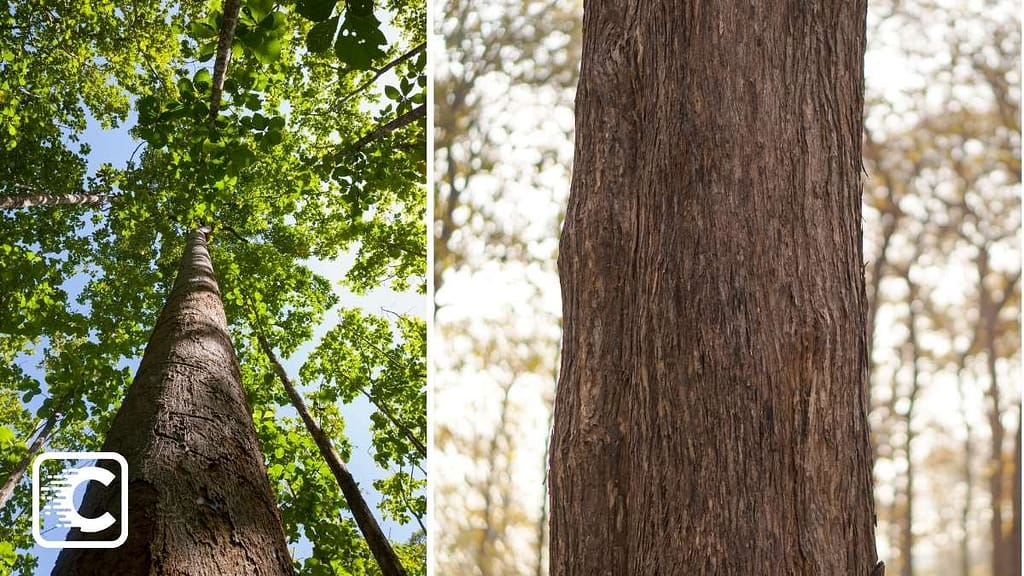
(115, 146)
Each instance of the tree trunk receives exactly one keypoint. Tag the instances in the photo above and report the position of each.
(711, 412)
(965, 514)
(34, 200)
(378, 543)
(907, 543)
(7, 490)
(199, 499)
(1015, 532)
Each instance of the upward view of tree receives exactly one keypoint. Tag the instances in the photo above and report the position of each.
(281, 138)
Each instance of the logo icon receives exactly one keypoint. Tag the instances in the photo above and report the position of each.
(59, 502)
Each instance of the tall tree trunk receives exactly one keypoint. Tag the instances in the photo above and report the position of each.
(907, 542)
(7, 490)
(1015, 532)
(34, 200)
(199, 499)
(965, 514)
(378, 543)
(711, 412)
(989, 311)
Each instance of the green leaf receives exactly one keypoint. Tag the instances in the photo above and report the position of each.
(358, 44)
(321, 36)
(202, 79)
(259, 8)
(315, 10)
(392, 92)
(268, 51)
(202, 30)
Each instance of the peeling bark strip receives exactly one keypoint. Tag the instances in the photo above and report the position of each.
(711, 410)
(368, 526)
(199, 499)
(220, 64)
(33, 200)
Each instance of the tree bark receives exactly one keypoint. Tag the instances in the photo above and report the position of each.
(199, 499)
(34, 200)
(225, 37)
(965, 514)
(711, 412)
(378, 543)
(7, 490)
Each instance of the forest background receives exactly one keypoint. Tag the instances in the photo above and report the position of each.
(118, 137)
(942, 261)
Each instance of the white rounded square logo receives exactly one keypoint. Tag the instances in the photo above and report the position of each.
(58, 512)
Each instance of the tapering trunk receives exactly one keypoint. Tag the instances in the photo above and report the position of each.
(378, 543)
(35, 200)
(7, 490)
(711, 412)
(199, 499)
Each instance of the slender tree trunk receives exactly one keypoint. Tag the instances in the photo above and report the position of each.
(1015, 532)
(907, 542)
(225, 37)
(378, 543)
(34, 200)
(7, 490)
(965, 514)
(199, 499)
(711, 415)
(485, 552)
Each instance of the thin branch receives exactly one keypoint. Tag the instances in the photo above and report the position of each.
(384, 70)
(400, 122)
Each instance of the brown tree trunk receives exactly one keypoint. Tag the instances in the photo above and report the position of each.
(378, 543)
(1015, 532)
(34, 200)
(7, 490)
(965, 514)
(199, 499)
(711, 412)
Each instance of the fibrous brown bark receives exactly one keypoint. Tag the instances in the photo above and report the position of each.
(378, 543)
(711, 411)
(199, 499)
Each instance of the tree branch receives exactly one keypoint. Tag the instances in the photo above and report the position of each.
(220, 65)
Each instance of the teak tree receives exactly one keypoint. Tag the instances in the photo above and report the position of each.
(196, 472)
(711, 410)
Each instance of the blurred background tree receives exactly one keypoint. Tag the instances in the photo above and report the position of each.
(942, 259)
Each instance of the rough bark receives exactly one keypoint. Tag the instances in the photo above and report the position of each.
(7, 490)
(34, 200)
(711, 412)
(199, 499)
(378, 543)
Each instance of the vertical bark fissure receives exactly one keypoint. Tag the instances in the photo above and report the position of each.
(378, 543)
(711, 413)
(199, 498)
